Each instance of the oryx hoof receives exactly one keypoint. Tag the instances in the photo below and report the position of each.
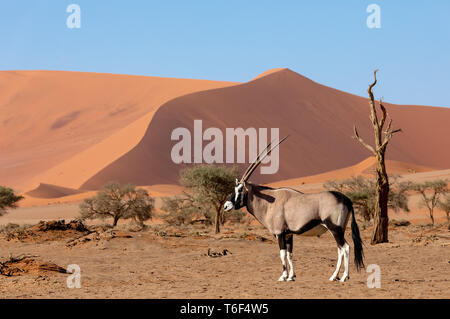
(282, 278)
(291, 279)
(334, 278)
(344, 279)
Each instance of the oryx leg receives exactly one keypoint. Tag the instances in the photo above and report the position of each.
(346, 250)
(334, 276)
(289, 247)
(283, 254)
(343, 252)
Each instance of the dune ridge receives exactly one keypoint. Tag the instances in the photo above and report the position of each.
(365, 168)
(93, 128)
(60, 127)
(52, 191)
(319, 120)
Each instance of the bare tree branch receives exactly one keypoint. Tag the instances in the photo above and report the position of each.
(373, 113)
(373, 84)
(388, 136)
(357, 137)
(385, 114)
(389, 126)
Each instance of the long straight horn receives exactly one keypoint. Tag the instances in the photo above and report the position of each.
(259, 160)
(254, 162)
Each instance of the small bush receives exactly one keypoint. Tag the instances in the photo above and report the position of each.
(119, 202)
(8, 199)
(362, 192)
(11, 228)
(430, 192)
(208, 188)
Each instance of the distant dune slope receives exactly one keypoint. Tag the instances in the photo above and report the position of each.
(63, 127)
(319, 120)
(365, 168)
(52, 191)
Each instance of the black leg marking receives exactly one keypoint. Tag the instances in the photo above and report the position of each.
(289, 242)
(337, 232)
(282, 241)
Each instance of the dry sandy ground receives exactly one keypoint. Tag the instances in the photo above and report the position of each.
(154, 266)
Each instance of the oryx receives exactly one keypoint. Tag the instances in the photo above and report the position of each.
(285, 211)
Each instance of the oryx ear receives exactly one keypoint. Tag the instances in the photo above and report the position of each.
(237, 182)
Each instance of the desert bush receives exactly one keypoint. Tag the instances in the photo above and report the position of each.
(208, 188)
(8, 199)
(362, 192)
(119, 202)
(183, 210)
(430, 192)
(234, 216)
(444, 204)
(12, 227)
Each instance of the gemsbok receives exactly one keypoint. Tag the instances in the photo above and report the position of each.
(285, 211)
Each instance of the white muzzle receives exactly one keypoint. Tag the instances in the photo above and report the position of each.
(227, 206)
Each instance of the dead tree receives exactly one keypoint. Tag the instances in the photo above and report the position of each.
(380, 231)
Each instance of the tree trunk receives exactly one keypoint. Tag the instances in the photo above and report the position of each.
(222, 218)
(116, 219)
(432, 216)
(381, 219)
(217, 221)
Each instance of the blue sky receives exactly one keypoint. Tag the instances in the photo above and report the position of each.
(327, 41)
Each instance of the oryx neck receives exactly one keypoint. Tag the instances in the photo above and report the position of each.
(256, 205)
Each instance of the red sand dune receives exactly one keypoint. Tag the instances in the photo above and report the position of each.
(365, 168)
(318, 118)
(46, 195)
(63, 127)
(82, 130)
(52, 191)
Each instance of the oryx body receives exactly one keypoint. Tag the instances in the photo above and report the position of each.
(286, 211)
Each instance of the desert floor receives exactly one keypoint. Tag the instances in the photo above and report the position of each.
(169, 262)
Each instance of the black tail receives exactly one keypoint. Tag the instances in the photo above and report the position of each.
(357, 243)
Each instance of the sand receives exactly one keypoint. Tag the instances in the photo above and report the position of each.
(93, 128)
(63, 135)
(40, 205)
(151, 266)
(365, 168)
(319, 120)
(172, 262)
(60, 127)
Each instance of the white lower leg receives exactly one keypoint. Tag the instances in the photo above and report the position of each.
(284, 275)
(338, 265)
(291, 267)
(346, 249)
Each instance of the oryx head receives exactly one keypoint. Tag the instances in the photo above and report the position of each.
(238, 198)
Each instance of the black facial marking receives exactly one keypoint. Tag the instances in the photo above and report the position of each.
(240, 201)
(231, 199)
